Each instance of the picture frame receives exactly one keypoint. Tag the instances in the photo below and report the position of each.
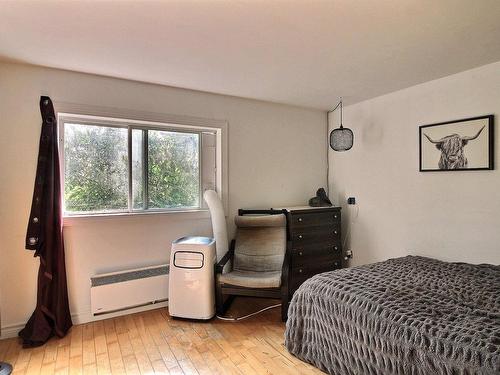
(458, 145)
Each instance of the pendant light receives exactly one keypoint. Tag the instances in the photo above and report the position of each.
(341, 139)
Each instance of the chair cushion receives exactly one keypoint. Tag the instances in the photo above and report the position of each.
(251, 279)
(260, 221)
(260, 243)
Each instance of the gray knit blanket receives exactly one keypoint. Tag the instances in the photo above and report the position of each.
(411, 315)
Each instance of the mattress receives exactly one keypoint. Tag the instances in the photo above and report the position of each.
(411, 315)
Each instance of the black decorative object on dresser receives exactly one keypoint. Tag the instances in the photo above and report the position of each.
(314, 241)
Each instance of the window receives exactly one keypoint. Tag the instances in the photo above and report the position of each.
(115, 165)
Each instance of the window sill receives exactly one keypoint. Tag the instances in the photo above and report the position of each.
(72, 220)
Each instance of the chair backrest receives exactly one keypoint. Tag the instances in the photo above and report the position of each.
(260, 243)
(218, 222)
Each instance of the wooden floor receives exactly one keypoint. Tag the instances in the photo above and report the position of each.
(154, 343)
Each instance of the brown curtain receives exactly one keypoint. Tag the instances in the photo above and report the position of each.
(45, 236)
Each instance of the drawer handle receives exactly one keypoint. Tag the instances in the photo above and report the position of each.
(335, 232)
(300, 270)
(300, 236)
(299, 220)
(335, 248)
(335, 264)
(300, 253)
(334, 216)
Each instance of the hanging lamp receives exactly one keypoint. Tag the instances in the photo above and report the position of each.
(341, 139)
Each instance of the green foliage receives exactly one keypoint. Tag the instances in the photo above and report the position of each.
(96, 168)
(173, 166)
(96, 172)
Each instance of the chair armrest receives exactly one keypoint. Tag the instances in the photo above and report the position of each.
(229, 255)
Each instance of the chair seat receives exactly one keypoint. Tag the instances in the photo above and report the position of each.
(251, 279)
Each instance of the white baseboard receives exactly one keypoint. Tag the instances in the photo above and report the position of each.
(11, 331)
(84, 317)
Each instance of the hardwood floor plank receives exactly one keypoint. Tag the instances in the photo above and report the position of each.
(48, 368)
(50, 352)
(187, 367)
(90, 369)
(76, 335)
(62, 360)
(99, 338)
(131, 366)
(36, 360)
(103, 366)
(23, 359)
(76, 365)
(160, 368)
(4, 348)
(229, 366)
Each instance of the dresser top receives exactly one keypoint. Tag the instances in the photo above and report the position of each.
(302, 208)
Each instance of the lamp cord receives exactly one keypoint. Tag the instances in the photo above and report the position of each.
(339, 104)
(351, 222)
(341, 112)
(328, 153)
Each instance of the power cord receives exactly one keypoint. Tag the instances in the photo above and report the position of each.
(238, 318)
(351, 223)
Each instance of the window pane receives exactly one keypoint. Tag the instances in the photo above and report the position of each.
(96, 166)
(173, 169)
(137, 169)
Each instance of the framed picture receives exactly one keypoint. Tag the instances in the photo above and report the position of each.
(457, 145)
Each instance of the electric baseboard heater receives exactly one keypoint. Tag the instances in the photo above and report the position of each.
(112, 292)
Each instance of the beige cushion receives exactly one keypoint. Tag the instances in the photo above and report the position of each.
(260, 221)
(259, 252)
(260, 243)
(251, 279)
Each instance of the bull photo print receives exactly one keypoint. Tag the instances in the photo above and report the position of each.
(457, 145)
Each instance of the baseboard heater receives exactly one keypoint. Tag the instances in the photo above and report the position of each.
(112, 292)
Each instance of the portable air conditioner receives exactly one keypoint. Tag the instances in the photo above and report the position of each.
(191, 283)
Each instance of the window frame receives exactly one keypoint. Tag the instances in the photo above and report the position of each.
(130, 121)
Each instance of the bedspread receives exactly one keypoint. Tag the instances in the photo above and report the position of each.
(411, 315)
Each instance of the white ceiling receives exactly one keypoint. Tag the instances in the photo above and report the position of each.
(302, 52)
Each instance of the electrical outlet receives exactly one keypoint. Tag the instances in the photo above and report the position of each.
(351, 200)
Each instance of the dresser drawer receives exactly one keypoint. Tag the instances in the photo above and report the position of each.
(300, 275)
(332, 247)
(314, 268)
(305, 256)
(315, 235)
(299, 220)
(296, 282)
(304, 260)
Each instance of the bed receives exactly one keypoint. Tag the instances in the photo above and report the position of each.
(411, 315)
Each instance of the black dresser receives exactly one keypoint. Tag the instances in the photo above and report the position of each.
(314, 240)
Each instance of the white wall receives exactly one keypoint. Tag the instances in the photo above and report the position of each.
(277, 156)
(451, 216)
